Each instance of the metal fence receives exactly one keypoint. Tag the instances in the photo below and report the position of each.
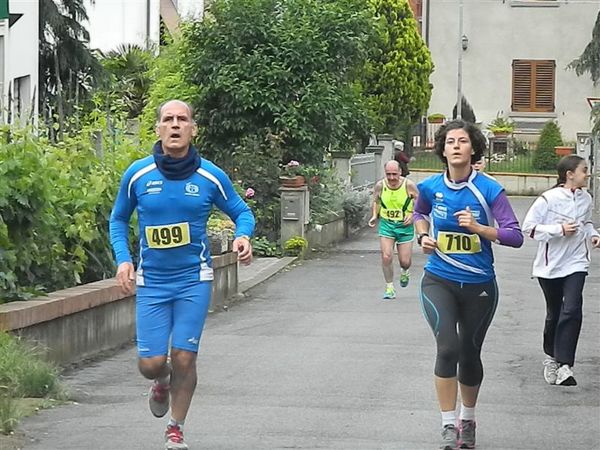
(501, 156)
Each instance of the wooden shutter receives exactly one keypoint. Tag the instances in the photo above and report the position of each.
(533, 85)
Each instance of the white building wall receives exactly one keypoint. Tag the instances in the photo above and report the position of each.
(498, 33)
(117, 22)
(21, 58)
(190, 9)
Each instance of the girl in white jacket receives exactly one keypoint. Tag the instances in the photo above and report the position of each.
(560, 220)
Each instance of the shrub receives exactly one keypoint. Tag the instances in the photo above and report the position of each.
(261, 246)
(55, 202)
(326, 194)
(295, 246)
(545, 157)
(357, 207)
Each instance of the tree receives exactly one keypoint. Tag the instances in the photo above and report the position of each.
(272, 81)
(396, 75)
(68, 69)
(466, 111)
(589, 61)
(545, 157)
(278, 67)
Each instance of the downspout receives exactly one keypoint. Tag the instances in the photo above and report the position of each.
(148, 24)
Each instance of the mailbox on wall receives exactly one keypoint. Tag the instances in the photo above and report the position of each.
(295, 204)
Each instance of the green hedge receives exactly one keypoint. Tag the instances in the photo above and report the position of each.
(55, 201)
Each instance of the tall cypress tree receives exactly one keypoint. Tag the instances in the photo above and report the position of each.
(396, 76)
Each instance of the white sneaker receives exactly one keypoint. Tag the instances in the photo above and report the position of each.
(550, 368)
(564, 376)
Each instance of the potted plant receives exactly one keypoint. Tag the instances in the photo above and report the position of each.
(436, 118)
(501, 127)
(566, 149)
(292, 175)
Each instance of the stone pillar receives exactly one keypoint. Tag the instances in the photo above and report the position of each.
(341, 164)
(377, 150)
(387, 141)
(295, 212)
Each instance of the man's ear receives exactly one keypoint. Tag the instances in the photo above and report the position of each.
(156, 129)
(195, 130)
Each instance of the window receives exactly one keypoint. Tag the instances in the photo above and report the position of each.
(533, 85)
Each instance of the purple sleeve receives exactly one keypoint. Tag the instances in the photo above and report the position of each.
(422, 209)
(509, 231)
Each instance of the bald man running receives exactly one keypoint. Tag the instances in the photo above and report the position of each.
(393, 202)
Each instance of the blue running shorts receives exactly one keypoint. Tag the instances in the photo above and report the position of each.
(173, 311)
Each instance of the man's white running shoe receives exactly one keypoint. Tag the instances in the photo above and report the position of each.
(564, 376)
(550, 368)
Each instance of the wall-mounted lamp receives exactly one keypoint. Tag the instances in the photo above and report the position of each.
(464, 41)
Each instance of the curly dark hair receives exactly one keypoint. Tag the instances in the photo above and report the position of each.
(477, 138)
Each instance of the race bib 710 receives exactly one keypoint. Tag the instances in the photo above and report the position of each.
(450, 242)
(168, 236)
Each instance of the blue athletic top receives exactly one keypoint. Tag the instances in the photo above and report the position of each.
(461, 255)
(172, 217)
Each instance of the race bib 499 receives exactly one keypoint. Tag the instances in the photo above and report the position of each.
(168, 236)
(449, 242)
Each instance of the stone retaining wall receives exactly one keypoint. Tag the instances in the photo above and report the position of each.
(81, 322)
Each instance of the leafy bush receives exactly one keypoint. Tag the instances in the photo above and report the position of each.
(295, 246)
(326, 194)
(357, 207)
(55, 202)
(261, 246)
(545, 157)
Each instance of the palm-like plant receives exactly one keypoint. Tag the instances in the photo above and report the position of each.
(68, 68)
(128, 67)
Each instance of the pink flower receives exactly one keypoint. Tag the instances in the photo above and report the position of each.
(250, 193)
(293, 163)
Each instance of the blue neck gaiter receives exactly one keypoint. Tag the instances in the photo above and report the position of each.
(176, 168)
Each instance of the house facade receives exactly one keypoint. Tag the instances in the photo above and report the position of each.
(514, 56)
(121, 22)
(18, 61)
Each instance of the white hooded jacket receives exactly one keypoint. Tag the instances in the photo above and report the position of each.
(559, 255)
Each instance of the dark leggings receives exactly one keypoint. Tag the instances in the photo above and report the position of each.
(447, 304)
(564, 303)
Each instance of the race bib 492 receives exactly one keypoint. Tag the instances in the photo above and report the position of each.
(449, 242)
(168, 236)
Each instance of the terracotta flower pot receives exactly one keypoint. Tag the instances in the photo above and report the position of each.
(563, 150)
(292, 182)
